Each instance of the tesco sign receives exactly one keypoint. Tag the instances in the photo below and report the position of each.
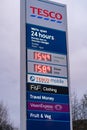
(46, 13)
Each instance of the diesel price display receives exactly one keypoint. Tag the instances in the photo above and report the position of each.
(42, 68)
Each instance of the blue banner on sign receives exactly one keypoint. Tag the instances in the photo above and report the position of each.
(43, 97)
(45, 39)
(47, 125)
(55, 116)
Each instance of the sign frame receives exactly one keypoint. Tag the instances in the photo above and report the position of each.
(23, 64)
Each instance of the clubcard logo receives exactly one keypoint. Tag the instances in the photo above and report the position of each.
(46, 14)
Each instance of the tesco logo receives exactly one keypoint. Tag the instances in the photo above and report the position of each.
(46, 13)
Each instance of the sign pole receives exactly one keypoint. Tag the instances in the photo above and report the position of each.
(22, 67)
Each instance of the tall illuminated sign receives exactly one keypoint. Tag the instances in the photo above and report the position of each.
(45, 86)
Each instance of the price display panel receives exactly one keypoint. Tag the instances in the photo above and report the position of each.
(47, 69)
(46, 57)
(47, 79)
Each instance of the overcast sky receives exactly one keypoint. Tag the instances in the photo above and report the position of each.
(10, 51)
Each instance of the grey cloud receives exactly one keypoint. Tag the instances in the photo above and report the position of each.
(77, 35)
(10, 57)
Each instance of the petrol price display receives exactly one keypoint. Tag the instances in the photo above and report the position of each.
(42, 56)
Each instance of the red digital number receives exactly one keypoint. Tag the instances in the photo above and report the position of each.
(42, 56)
(42, 68)
(37, 56)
